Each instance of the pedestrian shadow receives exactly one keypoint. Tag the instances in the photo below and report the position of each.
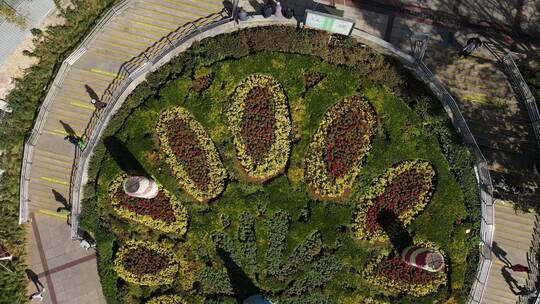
(394, 228)
(91, 92)
(500, 254)
(33, 277)
(515, 288)
(123, 157)
(62, 200)
(242, 285)
(69, 130)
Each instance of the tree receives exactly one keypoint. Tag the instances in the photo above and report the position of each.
(10, 14)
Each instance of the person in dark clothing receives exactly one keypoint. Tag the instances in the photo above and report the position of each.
(520, 268)
(98, 104)
(472, 45)
(77, 141)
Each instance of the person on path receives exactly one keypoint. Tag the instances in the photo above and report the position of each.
(98, 104)
(77, 141)
(520, 268)
(38, 295)
(472, 45)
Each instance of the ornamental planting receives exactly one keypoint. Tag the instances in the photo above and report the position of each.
(146, 263)
(163, 212)
(260, 124)
(337, 148)
(191, 154)
(402, 191)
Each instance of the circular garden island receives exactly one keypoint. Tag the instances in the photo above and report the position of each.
(287, 169)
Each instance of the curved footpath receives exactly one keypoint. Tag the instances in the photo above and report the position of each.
(67, 271)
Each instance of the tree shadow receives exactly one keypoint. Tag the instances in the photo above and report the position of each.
(394, 228)
(500, 254)
(91, 92)
(33, 277)
(242, 285)
(69, 130)
(123, 157)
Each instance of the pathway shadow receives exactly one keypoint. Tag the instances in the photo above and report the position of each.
(62, 200)
(123, 157)
(242, 285)
(91, 92)
(33, 277)
(500, 254)
(69, 130)
(513, 283)
(394, 228)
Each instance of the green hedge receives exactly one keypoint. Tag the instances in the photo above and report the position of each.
(381, 76)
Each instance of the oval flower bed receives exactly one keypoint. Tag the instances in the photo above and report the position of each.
(260, 125)
(170, 299)
(389, 273)
(146, 263)
(403, 190)
(338, 146)
(191, 154)
(164, 212)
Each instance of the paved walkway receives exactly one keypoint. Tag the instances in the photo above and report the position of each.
(128, 34)
(68, 271)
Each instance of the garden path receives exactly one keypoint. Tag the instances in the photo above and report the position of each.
(68, 271)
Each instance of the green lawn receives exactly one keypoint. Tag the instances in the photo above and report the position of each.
(401, 134)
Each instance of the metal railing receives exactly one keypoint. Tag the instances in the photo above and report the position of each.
(129, 72)
(483, 178)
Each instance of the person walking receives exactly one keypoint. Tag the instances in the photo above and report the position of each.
(98, 104)
(472, 44)
(77, 141)
(38, 295)
(520, 268)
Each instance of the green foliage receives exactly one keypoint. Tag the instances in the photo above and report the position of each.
(278, 228)
(10, 14)
(310, 247)
(214, 281)
(248, 241)
(323, 271)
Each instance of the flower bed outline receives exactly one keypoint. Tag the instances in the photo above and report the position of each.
(317, 176)
(216, 172)
(163, 277)
(378, 187)
(181, 218)
(397, 285)
(278, 153)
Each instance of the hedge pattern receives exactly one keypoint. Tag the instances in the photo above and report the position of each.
(212, 169)
(259, 111)
(169, 299)
(176, 211)
(342, 140)
(162, 277)
(403, 190)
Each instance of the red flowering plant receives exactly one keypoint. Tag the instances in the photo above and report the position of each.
(163, 212)
(390, 273)
(146, 263)
(403, 190)
(337, 148)
(191, 154)
(260, 124)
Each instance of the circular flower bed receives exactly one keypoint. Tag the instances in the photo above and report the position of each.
(172, 299)
(191, 154)
(389, 273)
(402, 191)
(146, 263)
(163, 212)
(260, 124)
(338, 147)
